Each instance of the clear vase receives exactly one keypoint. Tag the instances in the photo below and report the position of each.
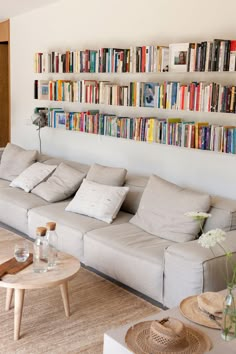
(228, 331)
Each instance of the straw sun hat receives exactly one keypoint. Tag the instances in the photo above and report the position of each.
(198, 309)
(166, 336)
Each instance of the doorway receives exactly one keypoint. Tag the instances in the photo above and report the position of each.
(4, 95)
(4, 84)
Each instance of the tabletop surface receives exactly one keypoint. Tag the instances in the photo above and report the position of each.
(219, 345)
(65, 269)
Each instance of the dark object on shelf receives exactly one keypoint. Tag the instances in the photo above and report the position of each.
(40, 119)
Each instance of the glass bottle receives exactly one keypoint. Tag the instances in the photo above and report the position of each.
(53, 243)
(229, 317)
(40, 256)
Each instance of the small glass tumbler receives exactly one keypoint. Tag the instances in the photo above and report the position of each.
(21, 251)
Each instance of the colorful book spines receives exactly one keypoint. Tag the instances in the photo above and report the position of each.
(196, 96)
(215, 55)
(170, 131)
(111, 60)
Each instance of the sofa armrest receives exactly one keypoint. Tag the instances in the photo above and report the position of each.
(190, 269)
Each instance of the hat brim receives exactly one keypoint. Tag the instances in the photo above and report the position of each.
(190, 309)
(138, 340)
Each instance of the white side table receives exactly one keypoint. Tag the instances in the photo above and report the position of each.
(114, 340)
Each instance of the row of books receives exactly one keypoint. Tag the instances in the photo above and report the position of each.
(195, 96)
(110, 60)
(171, 131)
(215, 55)
(218, 55)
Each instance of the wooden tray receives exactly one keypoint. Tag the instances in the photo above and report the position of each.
(12, 266)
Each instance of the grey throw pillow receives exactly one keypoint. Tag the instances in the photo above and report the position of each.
(15, 160)
(60, 185)
(162, 208)
(112, 176)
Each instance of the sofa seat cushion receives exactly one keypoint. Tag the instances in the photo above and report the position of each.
(128, 254)
(71, 227)
(133, 241)
(14, 207)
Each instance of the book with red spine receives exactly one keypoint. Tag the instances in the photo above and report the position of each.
(143, 60)
(198, 90)
(232, 56)
(192, 86)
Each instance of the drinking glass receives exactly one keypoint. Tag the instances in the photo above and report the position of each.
(21, 251)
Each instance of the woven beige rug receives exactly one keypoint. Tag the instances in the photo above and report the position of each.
(96, 306)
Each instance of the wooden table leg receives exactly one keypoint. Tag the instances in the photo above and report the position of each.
(19, 301)
(65, 297)
(9, 298)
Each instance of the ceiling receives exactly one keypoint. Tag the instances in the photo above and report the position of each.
(12, 8)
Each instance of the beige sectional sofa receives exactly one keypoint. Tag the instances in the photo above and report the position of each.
(161, 268)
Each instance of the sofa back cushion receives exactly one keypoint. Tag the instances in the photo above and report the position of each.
(15, 160)
(162, 208)
(136, 185)
(112, 176)
(223, 214)
(57, 161)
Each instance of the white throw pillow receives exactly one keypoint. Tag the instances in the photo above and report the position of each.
(32, 176)
(64, 181)
(98, 200)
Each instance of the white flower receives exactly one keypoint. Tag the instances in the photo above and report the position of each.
(198, 215)
(211, 238)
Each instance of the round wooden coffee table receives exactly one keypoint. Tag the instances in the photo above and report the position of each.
(67, 267)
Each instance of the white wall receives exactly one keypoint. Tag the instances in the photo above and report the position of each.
(72, 24)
